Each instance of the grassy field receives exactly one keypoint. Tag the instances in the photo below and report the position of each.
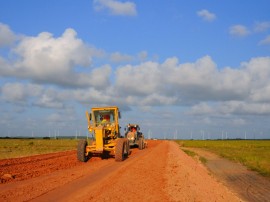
(11, 148)
(255, 154)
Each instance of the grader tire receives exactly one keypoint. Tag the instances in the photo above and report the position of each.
(81, 151)
(120, 148)
(128, 148)
(140, 144)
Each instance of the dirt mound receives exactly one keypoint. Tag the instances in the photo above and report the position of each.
(34, 166)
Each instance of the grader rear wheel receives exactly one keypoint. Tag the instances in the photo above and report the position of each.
(121, 150)
(81, 151)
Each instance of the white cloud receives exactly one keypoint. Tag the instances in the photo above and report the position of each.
(201, 109)
(261, 94)
(239, 30)
(18, 92)
(157, 99)
(32, 94)
(98, 78)
(189, 74)
(118, 57)
(4, 67)
(202, 80)
(242, 107)
(265, 41)
(170, 83)
(142, 79)
(206, 15)
(54, 60)
(49, 99)
(116, 7)
(13, 92)
(7, 37)
(232, 91)
(46, 59)
(142, 55)
(60, 54)
(93, 96)
(261, 26)
(258, 70)
(231, 108)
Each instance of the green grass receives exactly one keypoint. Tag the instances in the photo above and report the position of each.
(190, 153)
(255, 154)
(203, 160)
(194, 154)
(12, 148)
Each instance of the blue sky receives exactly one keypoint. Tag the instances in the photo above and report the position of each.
(197, 69)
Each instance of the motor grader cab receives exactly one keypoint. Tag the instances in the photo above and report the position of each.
(135, 136)
(103, 123)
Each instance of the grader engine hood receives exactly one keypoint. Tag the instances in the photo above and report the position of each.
(99, 132)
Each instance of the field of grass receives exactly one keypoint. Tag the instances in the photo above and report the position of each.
(255, 154)
(12, 148)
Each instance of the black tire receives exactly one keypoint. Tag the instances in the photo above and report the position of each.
(143, 142)
(140, 144)
(120, 149)
(81, 151)
(128, 148)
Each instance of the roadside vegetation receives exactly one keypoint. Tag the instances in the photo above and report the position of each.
(13, 148)
(254, 154)
(195, 155)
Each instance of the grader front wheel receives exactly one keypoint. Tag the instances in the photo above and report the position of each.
(81, 150)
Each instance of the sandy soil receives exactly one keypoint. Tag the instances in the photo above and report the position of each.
(162, 172)
(247, 184)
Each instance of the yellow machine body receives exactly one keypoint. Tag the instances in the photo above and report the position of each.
(103, 123)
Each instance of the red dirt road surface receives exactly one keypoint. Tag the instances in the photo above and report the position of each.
(161, 172)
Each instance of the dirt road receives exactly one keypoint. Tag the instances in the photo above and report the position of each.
(162, 172)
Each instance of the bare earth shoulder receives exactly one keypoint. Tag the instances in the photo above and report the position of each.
(247, 184)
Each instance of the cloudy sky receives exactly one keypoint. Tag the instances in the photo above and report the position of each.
(185, 69)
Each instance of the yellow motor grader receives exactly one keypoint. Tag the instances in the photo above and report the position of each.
(103, 123)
